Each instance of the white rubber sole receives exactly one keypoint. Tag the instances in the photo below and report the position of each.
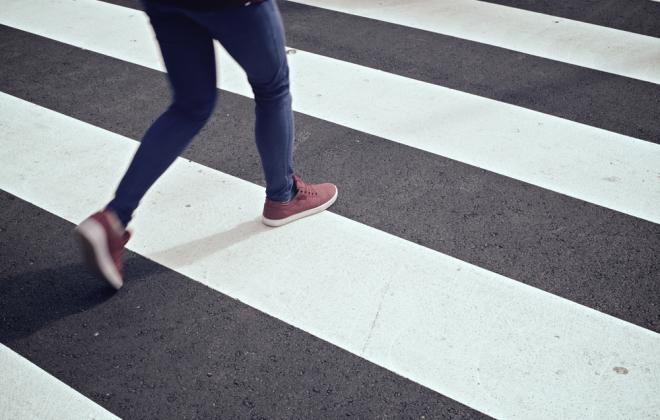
(94, 244)
(293, 217)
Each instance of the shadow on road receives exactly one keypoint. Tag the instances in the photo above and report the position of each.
(193, 251)
(29, 301)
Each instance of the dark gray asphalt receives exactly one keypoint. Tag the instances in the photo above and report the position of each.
(169, 347)
(639, 16)
(583, 252)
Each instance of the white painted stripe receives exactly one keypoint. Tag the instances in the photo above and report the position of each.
(594, 165)
(601, 48)
(490, 342)
(27, 392)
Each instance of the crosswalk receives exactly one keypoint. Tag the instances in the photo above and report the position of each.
(561, 155)
(485, 257)
(597, 47)
(29, 392)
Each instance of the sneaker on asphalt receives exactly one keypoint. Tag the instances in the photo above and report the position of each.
(103, 239)
(309, 199)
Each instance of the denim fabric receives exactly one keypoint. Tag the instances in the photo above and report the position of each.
(254, 36)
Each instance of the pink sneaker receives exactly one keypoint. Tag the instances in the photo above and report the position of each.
(310, 199)
(103, 239)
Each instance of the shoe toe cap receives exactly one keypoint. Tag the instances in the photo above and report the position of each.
(328, 191)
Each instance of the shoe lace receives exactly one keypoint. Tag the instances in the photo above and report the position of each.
(304, 188)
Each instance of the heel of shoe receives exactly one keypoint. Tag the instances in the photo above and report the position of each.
(93, 242)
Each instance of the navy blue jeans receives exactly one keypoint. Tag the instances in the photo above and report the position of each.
(254, 36)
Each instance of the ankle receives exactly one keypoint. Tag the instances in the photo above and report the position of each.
(115, 222)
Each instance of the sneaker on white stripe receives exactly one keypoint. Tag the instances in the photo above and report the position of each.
(309, 199)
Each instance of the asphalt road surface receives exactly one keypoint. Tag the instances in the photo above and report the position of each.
(494, 251)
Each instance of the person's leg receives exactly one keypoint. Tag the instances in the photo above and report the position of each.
(254, 36)
(187, 51)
